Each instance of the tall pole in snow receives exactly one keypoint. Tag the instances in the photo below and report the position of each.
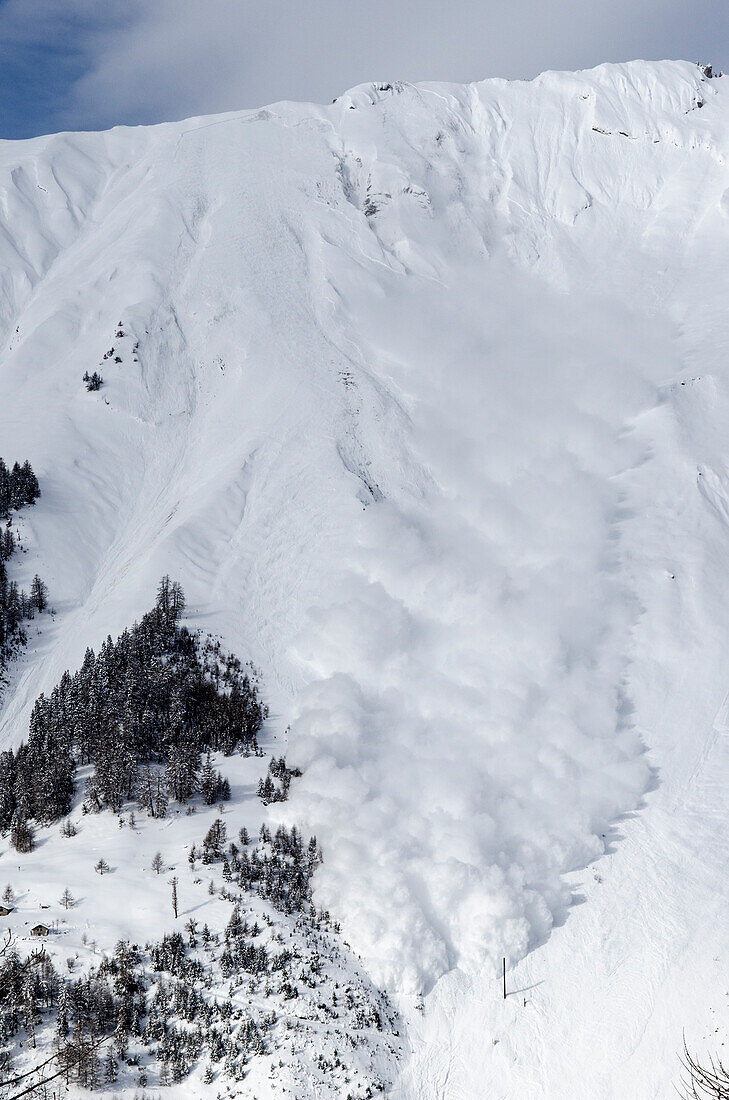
(504, 972)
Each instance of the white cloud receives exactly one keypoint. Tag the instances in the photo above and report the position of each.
(149, 62)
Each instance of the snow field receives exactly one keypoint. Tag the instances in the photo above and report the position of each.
(408, 423)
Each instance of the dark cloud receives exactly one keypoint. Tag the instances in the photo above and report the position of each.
(77, 63)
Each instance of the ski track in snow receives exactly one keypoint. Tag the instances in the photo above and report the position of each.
(429, 419)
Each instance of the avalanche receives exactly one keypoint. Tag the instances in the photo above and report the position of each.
(422, 395)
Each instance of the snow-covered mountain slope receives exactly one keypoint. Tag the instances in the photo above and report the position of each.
(428, 416)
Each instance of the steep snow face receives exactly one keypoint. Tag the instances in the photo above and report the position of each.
(405, 418)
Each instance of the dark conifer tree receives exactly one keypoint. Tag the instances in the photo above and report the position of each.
(38, 594)
(141, 711)
(21, 833)
(18, 488)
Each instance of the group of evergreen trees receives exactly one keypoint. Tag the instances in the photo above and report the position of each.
(142, 711)
(98, 1017)
(151, 1011)
(178, 1023)
(18, 487)
(93, 381)
(275, 787)
(145, 713)
(86, 1011)
(278, 869)
(16, 606)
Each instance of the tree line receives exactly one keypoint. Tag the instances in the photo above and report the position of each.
(18, 488)
(141, 711)
(150, 1010)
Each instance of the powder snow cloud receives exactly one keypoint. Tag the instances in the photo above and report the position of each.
(471, 666)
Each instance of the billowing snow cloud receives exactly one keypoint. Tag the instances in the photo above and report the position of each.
(467, 739)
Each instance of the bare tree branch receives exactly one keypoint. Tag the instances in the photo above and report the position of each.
(66, 1053)
(708, 1081)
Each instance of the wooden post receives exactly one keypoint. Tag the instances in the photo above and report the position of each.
(504, 961)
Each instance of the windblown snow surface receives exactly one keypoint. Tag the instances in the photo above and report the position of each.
(429, 416)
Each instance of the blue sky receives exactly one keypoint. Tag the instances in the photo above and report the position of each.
(81, 64)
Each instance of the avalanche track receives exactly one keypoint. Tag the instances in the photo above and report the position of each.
(423, 396)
